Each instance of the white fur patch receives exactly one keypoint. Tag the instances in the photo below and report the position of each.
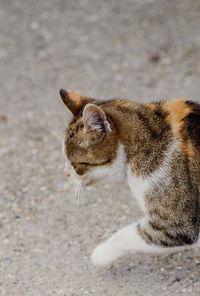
(140, 186)
(124, 241)
(115, 168)
(63, 147)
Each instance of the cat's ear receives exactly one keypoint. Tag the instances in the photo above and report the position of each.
(74, 101)
(94, 119)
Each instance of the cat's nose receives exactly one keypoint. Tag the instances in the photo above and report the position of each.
(67, 173)
(68, 169)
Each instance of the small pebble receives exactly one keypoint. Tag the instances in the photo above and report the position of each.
(155, 58)
(3, 117)
(7, 259)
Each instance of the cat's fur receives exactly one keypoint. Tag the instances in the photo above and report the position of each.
(159, 143)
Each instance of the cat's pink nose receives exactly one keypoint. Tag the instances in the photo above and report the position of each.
(68, 169)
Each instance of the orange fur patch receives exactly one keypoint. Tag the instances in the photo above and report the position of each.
(151, 106)
(76, 98)
(90, 155)
(177, 110)
(188, 148)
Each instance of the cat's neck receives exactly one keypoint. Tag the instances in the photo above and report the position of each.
(123, 115)
(144, 135)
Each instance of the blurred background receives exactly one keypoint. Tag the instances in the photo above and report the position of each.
(141, 50)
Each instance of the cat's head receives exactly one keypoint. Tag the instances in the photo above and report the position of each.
(90, 142)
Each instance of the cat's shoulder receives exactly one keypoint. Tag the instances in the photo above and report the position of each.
(179, 112)
(179, 107)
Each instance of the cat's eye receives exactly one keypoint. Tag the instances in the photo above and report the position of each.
(86, 163)
(95, 164)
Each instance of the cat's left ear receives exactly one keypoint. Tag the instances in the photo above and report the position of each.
(73, 101)
(94, 119)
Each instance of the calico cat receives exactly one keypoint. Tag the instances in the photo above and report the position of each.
(159, 144)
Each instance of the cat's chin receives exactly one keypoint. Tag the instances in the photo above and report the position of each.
(85, 181)
(91, 180)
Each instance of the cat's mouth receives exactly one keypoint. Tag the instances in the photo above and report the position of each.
(85, 181)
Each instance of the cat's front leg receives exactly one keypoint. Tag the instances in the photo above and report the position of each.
(122, 242)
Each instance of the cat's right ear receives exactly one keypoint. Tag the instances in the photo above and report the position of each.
(73, 101)
(94, 119)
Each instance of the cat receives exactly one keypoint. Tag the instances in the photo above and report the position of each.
(159, 145)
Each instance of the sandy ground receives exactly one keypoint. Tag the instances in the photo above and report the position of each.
(141, 50)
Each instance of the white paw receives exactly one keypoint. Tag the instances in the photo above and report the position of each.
(101, 255)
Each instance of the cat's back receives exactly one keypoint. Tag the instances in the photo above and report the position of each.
(177, 118)
(192, 124)
(183, 117)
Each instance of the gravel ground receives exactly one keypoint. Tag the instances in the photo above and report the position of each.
(141, 50)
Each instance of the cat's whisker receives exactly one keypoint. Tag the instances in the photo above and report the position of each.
(78, 193)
